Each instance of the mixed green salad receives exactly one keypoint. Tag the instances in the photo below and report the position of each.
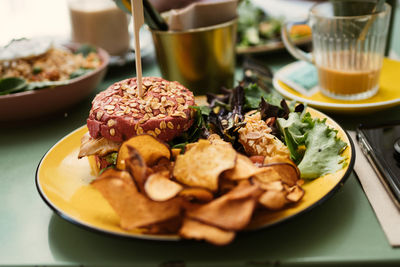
(314, 147)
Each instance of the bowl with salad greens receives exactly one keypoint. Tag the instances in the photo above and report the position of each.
(261, 32)
(38, 77)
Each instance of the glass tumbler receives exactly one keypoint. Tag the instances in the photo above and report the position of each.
(349, 39)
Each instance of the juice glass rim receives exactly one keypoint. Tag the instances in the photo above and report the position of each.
(384, 12)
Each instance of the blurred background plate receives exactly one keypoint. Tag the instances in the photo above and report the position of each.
(273, 45)
(36, 103)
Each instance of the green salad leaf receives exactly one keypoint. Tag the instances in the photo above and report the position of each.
(12, 85)
(79, 72)
(253, 94)
(195, 131)
(313, 146)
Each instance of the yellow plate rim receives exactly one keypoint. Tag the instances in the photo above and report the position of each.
(131, 235)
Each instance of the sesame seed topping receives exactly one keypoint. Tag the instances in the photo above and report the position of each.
(147, 83)
(170, 125)
(157, 131)
(111, 123)
(112, 131)
(99, 114)
(163, 125)
(109, 107)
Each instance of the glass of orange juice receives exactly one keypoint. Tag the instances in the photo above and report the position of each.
(349, 39)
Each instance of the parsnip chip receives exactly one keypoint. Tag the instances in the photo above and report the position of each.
(159, 188)
(216, 139)
(163, 164)
(295, 193)
(196, 194)
(274, 186)
(150, 148)
(137, 167)
(170, 226)
(226, 185)
(273, 200)
(192, 229)
(231, 211)
(244, 169)
(203, 163)
(285, 172)
(134, 209)
(175, 152)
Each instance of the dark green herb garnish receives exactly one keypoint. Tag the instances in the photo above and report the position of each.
(37, 70)
(197, 130)
(12, 85)
(79, 72)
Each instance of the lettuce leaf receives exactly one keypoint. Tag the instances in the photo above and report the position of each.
(313, 146)
(322, 154)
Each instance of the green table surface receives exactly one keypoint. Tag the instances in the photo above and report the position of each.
(343, 230)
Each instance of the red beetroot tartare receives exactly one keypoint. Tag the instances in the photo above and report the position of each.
(118, 113)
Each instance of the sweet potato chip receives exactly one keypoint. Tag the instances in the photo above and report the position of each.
(226, 185)
(134, 209)
(192, 229)
(150, 148)
(216, 139)
(278, 171)
(137, 167)
(274, 186)
(244, 169)
(170, 226)
(159, 188)
(231, 211)
(163, 165)
(273, 200)
(295, 193)
(123, 175)
(196, 194)
(203, 163)
(175, 152)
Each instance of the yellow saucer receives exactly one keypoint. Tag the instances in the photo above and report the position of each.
(387, 96)
(63, 182)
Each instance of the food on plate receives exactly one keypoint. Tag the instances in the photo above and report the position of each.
(141, 144)
(256, 27)
(190, 205)
(203, 163)
(322, 147)
(238, 156)
(118, 113)
(41, 64)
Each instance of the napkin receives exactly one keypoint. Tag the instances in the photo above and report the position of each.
(202, 14)
(387, 213)
(301, 77)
